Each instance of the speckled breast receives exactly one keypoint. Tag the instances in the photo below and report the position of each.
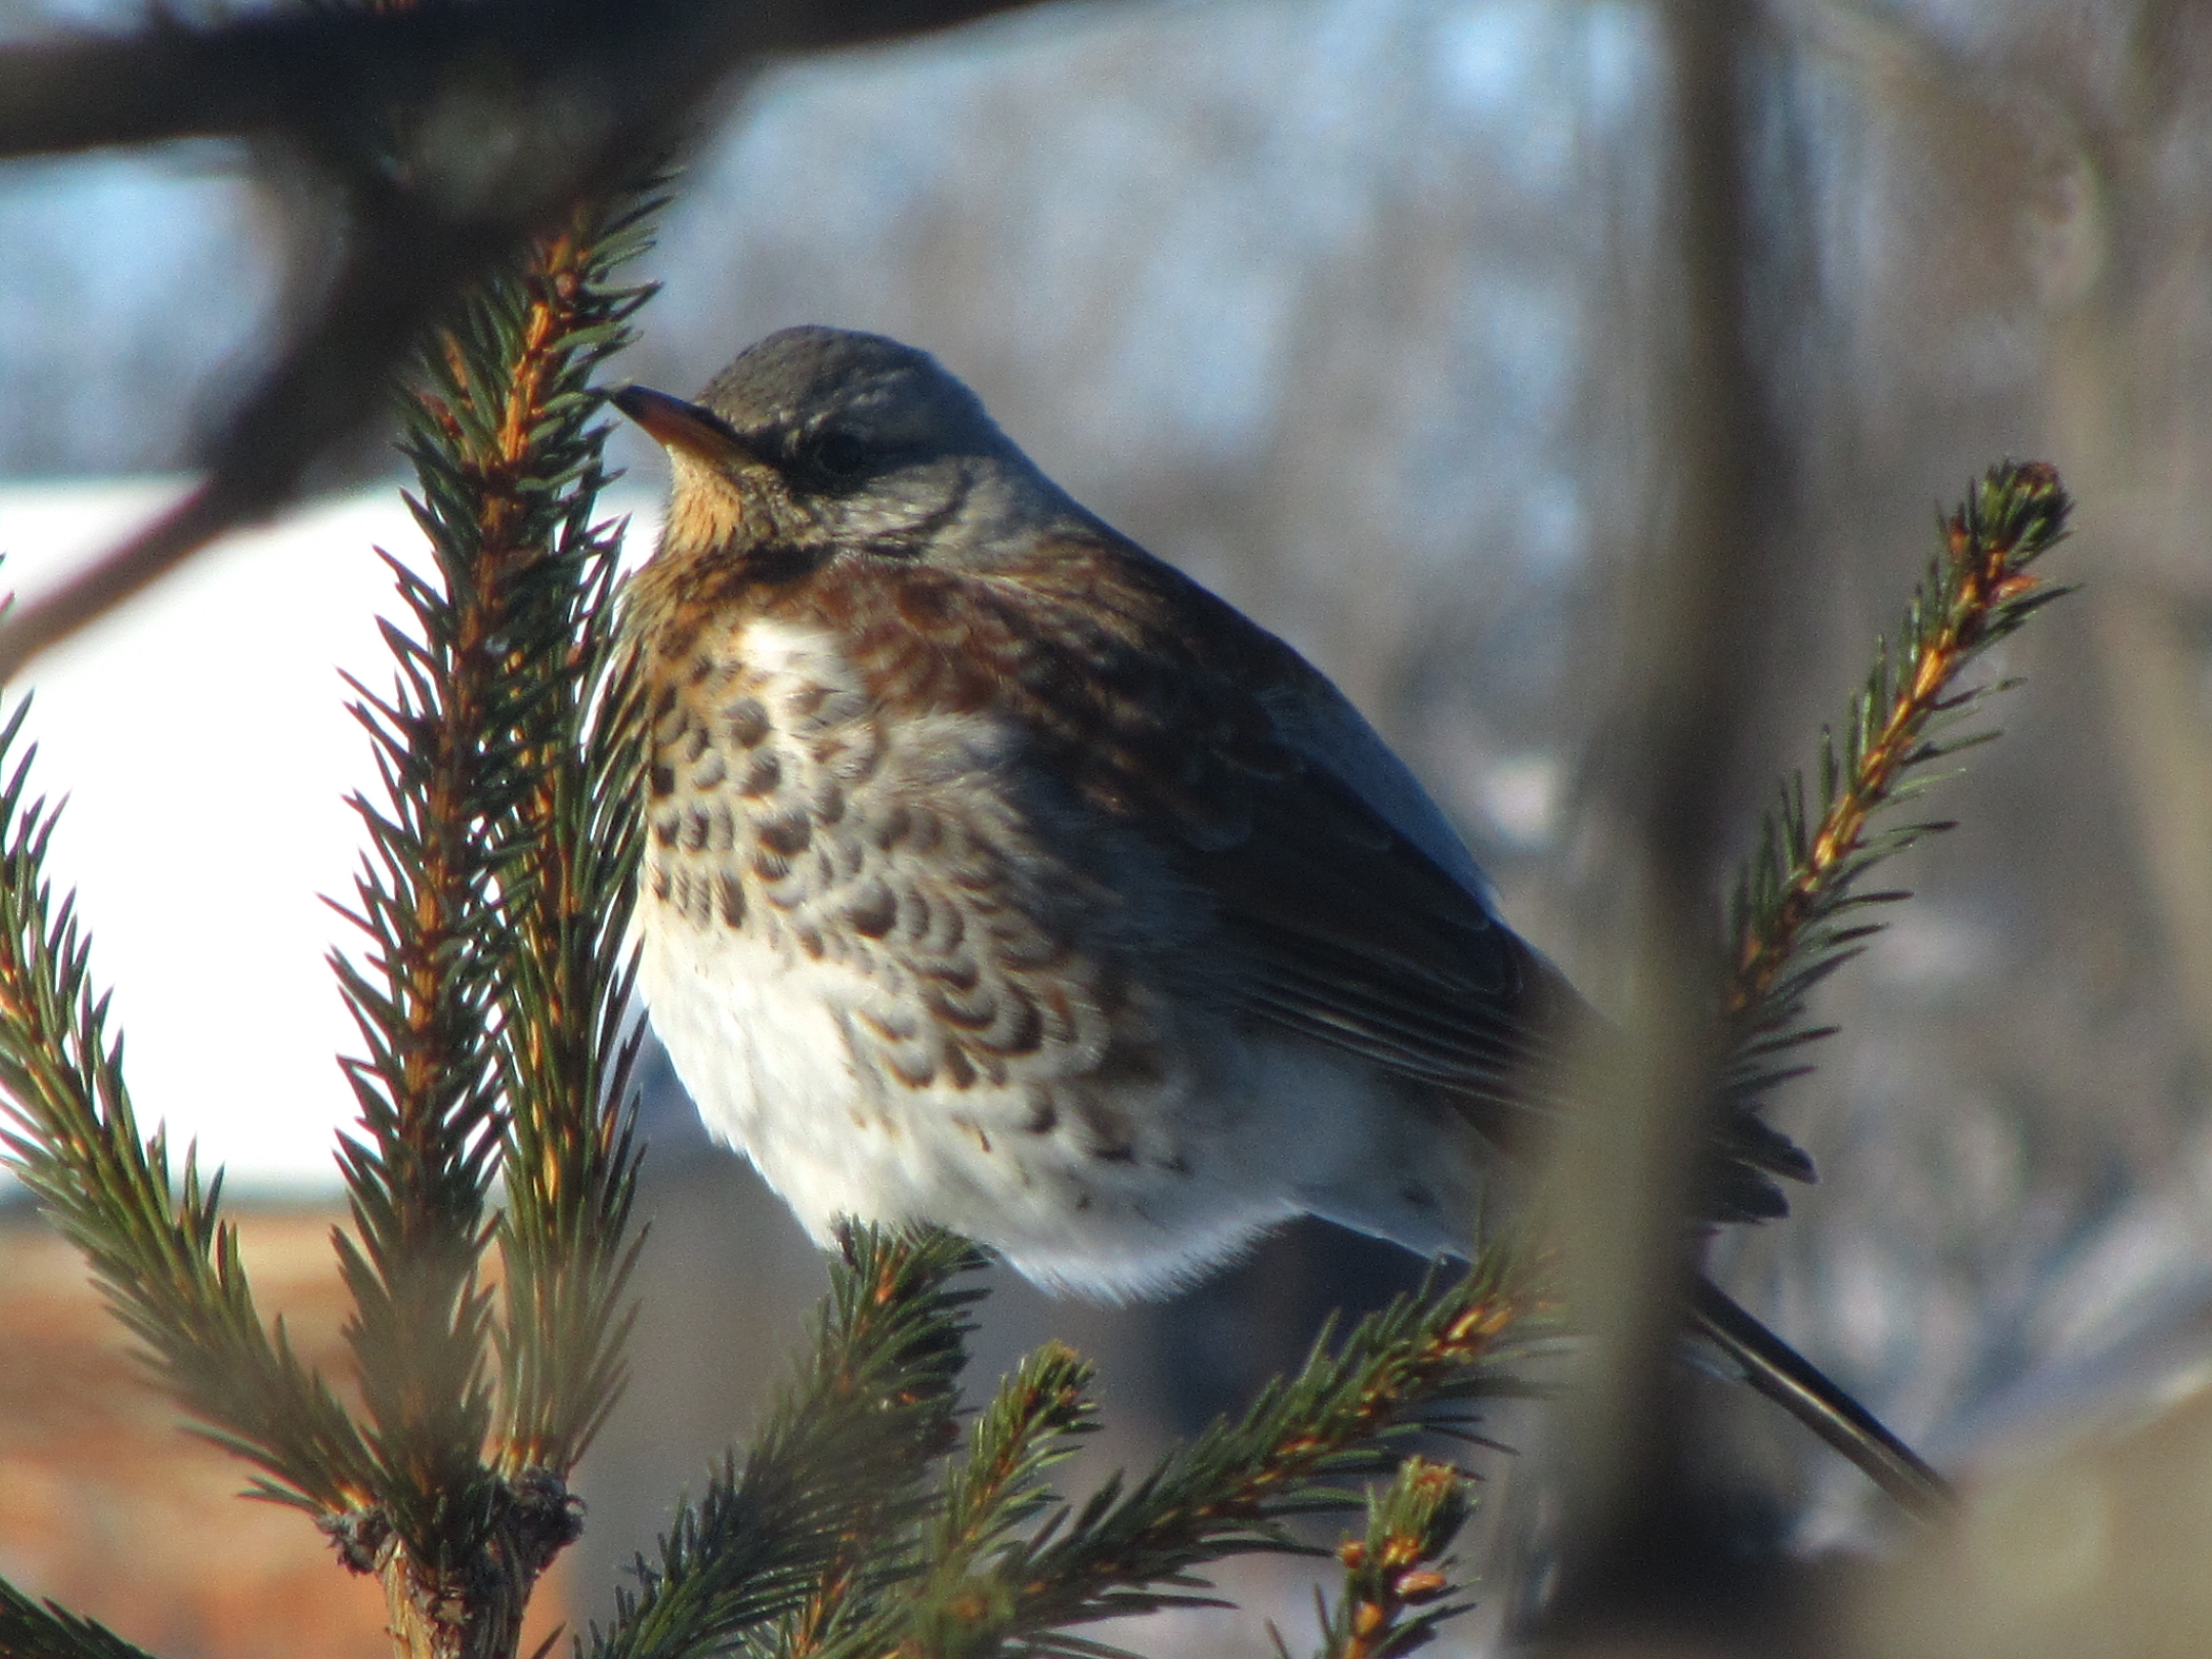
(887, 971)
(782, 806)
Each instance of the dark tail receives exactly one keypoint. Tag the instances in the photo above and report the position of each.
(1793, 1382)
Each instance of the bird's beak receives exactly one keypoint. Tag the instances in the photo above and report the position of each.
(675, 424)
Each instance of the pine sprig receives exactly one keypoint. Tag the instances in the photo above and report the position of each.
(165, 1262)
(1795, 915)
(1042, 1407)
(836, 1480)
(570, 1155)
(424, 999)
(40, 1630)
(1397, 1582)
(1131, 1549)
(1033, 1422)
(490, 1001)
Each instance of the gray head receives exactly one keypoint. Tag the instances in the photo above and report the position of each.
(817, 439)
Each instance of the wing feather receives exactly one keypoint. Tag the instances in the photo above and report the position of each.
(1351, 914)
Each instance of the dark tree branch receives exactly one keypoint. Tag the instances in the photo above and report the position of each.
(1631, 1172)
(312, 74)
(518, 112)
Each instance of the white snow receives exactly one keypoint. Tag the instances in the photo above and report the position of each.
(200, 736)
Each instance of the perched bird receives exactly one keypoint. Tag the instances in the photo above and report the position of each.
(998, 876)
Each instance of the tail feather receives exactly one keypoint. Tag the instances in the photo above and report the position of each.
(1777, 1370)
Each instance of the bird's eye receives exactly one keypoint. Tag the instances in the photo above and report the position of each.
(840, 454)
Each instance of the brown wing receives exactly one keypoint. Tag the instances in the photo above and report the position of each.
(1346, 933)
(1353, 916)
(1349, 934)
(1163, 709)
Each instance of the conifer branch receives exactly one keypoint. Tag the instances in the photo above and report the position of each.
(424, 999)
(40, 1630)
(1397, 1584)
(167, 1262)
(998, 1488)
(1792, 918)
(1041, 1407)
(496, 904)
(837, 1476)
(524, 354)
(1132, 1549)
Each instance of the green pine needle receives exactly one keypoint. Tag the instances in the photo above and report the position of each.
(1042, 1407)
(836, 1478)
(988, 1497)
(40, 1630)
(1798, 912)
(1135, 1546)
(1397, 1584)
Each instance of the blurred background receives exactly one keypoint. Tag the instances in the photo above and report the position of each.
(1355, 309)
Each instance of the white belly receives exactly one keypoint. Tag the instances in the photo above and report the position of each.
(761, 1045)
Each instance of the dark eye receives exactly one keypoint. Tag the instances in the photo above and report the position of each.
(840, 454)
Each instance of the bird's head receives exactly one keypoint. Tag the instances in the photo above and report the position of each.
(818, 441)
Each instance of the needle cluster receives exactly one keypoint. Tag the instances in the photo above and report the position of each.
(1798, 910)
(490, 990)
(153, 1236)
(1397, 1584)
(864, 1523)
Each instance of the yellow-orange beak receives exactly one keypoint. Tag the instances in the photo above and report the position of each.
(676, 424)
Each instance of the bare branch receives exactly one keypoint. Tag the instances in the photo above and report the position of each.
(577, 93)
(311, 74)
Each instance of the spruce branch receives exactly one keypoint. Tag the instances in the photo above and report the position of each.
(423, 998)
(511, 423)
(491, 996)
(1794, 917)
(42, 1630)
(1033, 1422)
(1134, 1548)
(837, 1475)
(165, 1262)
(987, 1497)
(1397, 1584)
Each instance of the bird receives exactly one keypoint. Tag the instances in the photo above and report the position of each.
(997, 875)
